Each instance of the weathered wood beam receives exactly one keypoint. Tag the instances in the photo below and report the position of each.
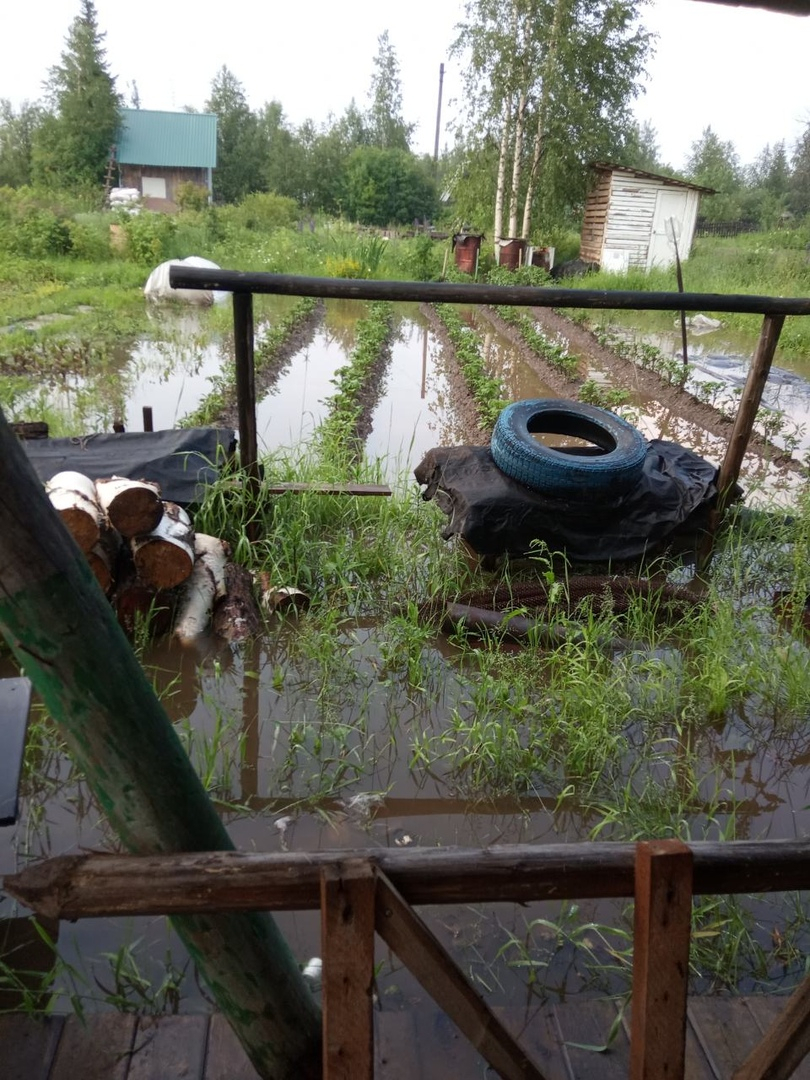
(404, 932)
(437, 292)
(785, 1044)
(347, 949)
(662, 930)
(749, 406)
(83, 886)
(64, 635)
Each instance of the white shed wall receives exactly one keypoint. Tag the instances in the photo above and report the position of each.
(631, 217)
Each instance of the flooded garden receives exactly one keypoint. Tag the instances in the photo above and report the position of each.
(361, 719)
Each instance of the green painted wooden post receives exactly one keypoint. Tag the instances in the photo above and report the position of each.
(62, 631)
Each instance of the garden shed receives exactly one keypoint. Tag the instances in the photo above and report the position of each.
(631, 217)
(158, 151)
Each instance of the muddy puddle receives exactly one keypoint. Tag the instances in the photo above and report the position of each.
(310, 753)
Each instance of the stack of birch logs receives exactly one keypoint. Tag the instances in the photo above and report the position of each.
(147, 558)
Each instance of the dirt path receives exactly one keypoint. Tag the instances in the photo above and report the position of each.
(630, 376)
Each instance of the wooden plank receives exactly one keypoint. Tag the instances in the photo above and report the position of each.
(28, 1045)
(81, 886)
(697, 1066)
(749, 405)
(414, 944)
(15, 701)
(169, 1048)
(725, 1031)
(584, 1026)
(347, 948)
(396, 1046)
(662, 930)
(97, 1049)
(786, 1040)
(238, 281)
(225, 1057)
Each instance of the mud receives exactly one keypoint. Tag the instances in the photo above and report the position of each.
(632, 377)
(469, 425)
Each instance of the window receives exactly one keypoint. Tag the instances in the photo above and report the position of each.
(153, 187)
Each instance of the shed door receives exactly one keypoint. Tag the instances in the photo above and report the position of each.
(670, 213)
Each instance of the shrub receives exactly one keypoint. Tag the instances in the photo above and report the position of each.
(148, 236)
(265, 210)
(191, 196)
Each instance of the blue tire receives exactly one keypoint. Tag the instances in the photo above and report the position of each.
(609, 466)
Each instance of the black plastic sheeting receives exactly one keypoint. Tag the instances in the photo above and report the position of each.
(181, 462)
(496, 515)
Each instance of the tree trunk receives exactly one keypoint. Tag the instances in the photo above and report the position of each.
(165, 557)
(236, 615)
(61, 628)
(549, 75)
(207, 582)
(517, 163)
(73, 496)
(103, 558)
(501, 183)
(134, 507)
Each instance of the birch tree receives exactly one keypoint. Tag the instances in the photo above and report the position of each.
(550, 82)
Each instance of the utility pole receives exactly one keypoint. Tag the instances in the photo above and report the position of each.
(438, 120)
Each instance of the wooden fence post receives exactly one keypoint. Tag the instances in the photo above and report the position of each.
(347, 947)
(663, 922)
(63, 633)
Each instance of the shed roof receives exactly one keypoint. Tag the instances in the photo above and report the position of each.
(150, 137)
(670, 181)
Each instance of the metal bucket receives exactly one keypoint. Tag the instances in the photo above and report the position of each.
(466, 247)
(511, 253)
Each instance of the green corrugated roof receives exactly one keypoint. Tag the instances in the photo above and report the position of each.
(148, 137)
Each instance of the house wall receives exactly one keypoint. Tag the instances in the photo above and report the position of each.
(595, 219)
(132, 176)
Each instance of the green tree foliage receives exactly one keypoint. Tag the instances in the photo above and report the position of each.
(548, 82)
(72, 144)
(17, 133)
(386, 127)
(385, 187)
(241, 141)
(640, 149)
(799, 191)
(714, 163)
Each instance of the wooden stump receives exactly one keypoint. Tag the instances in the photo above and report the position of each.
(134, 507)
(236, 615)
(164, 558)
(73, 496)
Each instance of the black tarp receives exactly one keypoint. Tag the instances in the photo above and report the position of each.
(181, 462)
(496, 515)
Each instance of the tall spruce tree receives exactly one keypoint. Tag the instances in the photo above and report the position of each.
(386, 128)
(241, 140)
(73, 143)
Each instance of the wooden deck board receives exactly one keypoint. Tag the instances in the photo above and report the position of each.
(170, 1048)
(421, 1044)
(101, 1047)
(28, 1045)
(588, 1023)
(226, 1059)
(726, 1031)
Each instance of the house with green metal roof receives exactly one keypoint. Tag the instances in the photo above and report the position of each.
(157, 151)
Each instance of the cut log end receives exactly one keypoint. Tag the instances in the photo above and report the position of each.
(162, 565)
(82, 526)
(136, 511)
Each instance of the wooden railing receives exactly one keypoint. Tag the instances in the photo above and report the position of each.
(360, 892)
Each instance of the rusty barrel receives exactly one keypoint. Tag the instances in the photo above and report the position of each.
(511, 253)
(466, 247)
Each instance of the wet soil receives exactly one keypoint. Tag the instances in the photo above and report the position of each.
(632, 377)
(468, 423)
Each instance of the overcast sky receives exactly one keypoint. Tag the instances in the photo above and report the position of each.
(743, 72)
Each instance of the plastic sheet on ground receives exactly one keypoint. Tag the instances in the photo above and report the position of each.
(181, 462)
(496, 515)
